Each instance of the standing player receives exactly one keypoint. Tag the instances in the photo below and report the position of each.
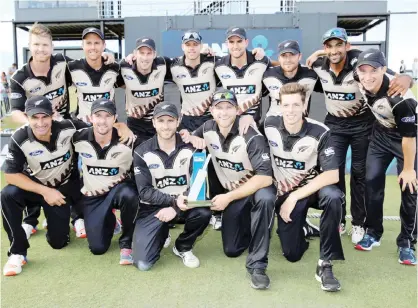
(394, 135)
(39, 171)
(162, 167)
(305, 169)
(144, 82)
(106, 165)
(348, 118)
(242, 164)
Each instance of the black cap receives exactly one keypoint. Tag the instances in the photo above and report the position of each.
(289, 46)
(103, 104)
(236, 31)
(167, 109)
(224, 95)
(93, 30)
(145, 42)
(372, 57)
(335, 33)
(38, 104)
(191, 35)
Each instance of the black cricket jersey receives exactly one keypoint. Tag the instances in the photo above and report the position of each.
(236, 158)
(49, 163)
(103, 168)
(196, 85)
(24, 84)
(92, 84)
(298, 158)
(396, 113)
(160, 177)
(245, 82)
(274, 79)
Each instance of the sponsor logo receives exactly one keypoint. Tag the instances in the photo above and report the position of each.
(15, 95)
(253, 71)
(337, 96)
(81, 84)
(196, 88)
(55, 93)
(64, 141)
(288, 163)
(145, 93)
(153, 166)
(265, 156)
(86, 155)
(367, 55)
(137, 170)
(58, 75)
(38, 102)
(183, 161)
(91, 97)
(324, 80)
(273, 88)
(329, 151)
(246, 89)
(225, 76)
(116, 154)
(287, 44)
(235, 148)
(36, 153)
(303, 148)
(408, 119)
(230, 165)
(128, 77)
(9, 156)
(181, 76)
(102, 171)
(108, 80)
(214, 146)
(55, 162)
(171, 181)
(354, 61)
(198, 158)
(34, 90)
(273, 144)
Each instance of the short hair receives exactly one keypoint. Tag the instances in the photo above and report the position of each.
(41, 30)
(293, 88)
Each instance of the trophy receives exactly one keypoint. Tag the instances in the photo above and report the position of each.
(197, 194)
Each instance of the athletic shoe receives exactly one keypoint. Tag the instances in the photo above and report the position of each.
(126, 257)
(357, 234)
(80, 229)
(167, 241)
(29, 230)
(118, 224)
(367, 243)
(216, 222)
(342, 229)
(259, 279)
(326, 277)
(310, 229)
(14, 265)
(45, 224)
(189, 259)
(407, 256)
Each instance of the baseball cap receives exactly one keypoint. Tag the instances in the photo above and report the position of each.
(224, 95)
(167, 109)
(38, 104)
(145, 42)
(93, 30)
(236, 31)
(191, 36)
(335, 33)
(372, 57)
(289, 46)
(103, 104)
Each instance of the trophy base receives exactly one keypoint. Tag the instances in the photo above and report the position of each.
(199, 203)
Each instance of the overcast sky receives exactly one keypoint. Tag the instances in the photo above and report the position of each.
(403, 33)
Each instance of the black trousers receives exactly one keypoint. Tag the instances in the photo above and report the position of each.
(329, 199)
(385, 145)
(14, 200)
(143, 130)
(100, 221)
(151, 233)
(354, 132)
(247, 223)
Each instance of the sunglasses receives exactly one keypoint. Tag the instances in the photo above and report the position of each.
(224, 95)
(191, 36)
(336, 32)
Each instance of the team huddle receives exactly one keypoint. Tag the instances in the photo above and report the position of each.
(83, 166)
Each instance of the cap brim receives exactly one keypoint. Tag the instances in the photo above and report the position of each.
(145, 45)
(94, 32)
(34, 111)
(165, 113)
(234, 34)
(192, 40)
(291, 50)
(371, 63)
(232, 102)
(103, 109)
(334, 37)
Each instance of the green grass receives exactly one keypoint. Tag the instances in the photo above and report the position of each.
(73, 277)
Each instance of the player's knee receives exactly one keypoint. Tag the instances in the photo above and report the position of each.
(58, 243)
(143, 266)
(264, 197)
(98, 249)
(293, 256)
(130, 195)
(203, 215)
(9, 192)
(232, 252)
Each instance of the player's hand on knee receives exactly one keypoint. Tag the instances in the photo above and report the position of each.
(220, 202)
(287, 208)
(244, 123)
(182, 203)
(408, 178)
(53, 197)
(166, 214)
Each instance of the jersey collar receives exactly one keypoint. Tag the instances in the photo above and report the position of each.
(114, 140)
(383, 89)
(51, 145)
(327, 64)
(300, 134)
(233, 132)
(155, 146)
(29, 72)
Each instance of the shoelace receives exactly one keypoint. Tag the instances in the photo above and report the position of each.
(354, 229)
(259, 271)
(189, 256)
(327, 270)
(15, 260)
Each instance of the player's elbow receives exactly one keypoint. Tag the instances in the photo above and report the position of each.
(10, 178)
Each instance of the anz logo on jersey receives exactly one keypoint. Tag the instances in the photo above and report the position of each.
(224, 163)
(171, 181)
(91, 97)
(55, 162)
(102, 171)
(246, 89)
(145, 93)
(337, 96)
(196, 88)
(289, 163)
(55, 93)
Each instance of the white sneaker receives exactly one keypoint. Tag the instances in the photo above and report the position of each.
(216, 222)
(14, 265)
(45, 224)
(342, 229)
(167, 241)
(189, 259)
(29, 230)
(80, 229)
(357, 234)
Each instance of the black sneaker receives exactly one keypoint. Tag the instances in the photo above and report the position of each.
(325, 276)
(310, 229)
(259, 279)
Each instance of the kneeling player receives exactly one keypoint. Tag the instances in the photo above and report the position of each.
(394, 135)
(106, 165)
(242, 164)
(305, 170)
(162, 167)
